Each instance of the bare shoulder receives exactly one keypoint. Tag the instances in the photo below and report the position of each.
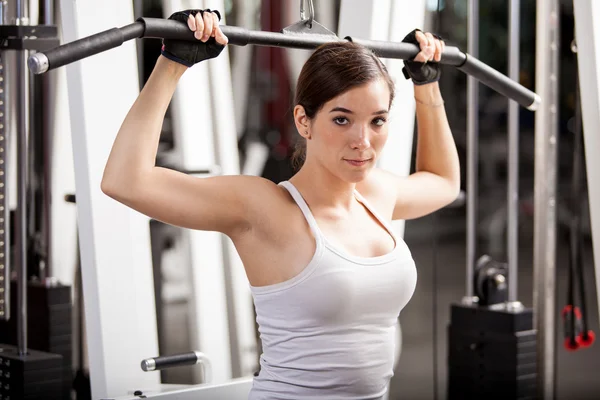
(266, 202)
(381, 190)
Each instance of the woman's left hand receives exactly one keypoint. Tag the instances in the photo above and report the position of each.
(424, 67)
(431, 47)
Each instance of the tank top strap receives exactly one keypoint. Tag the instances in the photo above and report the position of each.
(312, 223)
(379, 217)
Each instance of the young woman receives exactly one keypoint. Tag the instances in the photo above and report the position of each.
(328, 275)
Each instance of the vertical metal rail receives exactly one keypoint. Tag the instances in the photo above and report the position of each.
(4, 214)
(46, 270)
(544, 246)
(472, 150)
(22, 104)
(512, 231)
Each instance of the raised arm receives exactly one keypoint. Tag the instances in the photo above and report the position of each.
(132, 178)
(436, 182)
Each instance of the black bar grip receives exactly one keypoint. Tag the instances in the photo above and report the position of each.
(451, 55)
(500, 83)
(176, 360)
(82, 48)
(160, 28)
(169, 29)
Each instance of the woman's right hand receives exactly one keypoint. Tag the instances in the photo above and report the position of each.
(205, 25)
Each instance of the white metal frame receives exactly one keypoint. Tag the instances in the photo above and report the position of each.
(236, 389)
(114, 240)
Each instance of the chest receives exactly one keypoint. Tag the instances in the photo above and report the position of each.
(361, 235)
(342, 293)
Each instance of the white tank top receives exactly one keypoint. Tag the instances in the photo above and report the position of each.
(328, 333)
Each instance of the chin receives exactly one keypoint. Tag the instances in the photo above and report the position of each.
(357, 176)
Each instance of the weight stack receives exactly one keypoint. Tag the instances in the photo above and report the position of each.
(491, 353)
(49, 325)
(34, 376)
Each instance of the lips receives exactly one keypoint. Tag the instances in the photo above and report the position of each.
(358, 162)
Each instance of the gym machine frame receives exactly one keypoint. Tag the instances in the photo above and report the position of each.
(306, 34)
(23, 371)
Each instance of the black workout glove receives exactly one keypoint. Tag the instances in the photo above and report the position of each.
(186, 52)
(420, 73)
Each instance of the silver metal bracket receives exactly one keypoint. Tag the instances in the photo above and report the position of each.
(311, 12)
(302, 27)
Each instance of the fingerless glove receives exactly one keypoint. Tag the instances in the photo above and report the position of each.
(186, 52)
(420, 73)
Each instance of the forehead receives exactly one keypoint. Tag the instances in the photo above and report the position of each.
(371, 96)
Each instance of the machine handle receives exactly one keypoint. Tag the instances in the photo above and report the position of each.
(165, 28)
(178, 360)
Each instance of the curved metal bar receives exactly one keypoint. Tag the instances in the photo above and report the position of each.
(168, 29)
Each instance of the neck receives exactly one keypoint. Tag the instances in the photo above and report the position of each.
(321, 189)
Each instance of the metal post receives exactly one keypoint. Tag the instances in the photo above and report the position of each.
(472, 149)
(22, 73)
(46, 269)
(48, 12)
(3, 11)
(544, 242)
(512, 231)
(4, 213)
(22, 12)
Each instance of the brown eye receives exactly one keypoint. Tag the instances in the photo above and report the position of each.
(340, 120)
(379, 121)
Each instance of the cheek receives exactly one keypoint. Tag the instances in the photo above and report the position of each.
(380, 139)
(332, 138)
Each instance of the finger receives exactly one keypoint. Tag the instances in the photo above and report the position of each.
(199, 26)
(217, 32)
(430, 45)
(220, 36)
(438, 50)
(421, 57)
(422, 39)
(208, 26)
(191, 21)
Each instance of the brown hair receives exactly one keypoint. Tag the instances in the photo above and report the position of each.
(330, 71)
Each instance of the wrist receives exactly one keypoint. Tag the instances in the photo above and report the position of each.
(169, 67)
(429, 93)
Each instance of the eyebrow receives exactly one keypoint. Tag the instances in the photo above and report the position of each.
(342, 109)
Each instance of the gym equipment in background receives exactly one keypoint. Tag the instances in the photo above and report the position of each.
(26, 373)
(576, 330)
(491, 338)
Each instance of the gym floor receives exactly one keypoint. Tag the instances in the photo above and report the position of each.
(576, 372)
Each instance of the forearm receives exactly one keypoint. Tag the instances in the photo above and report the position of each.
(436, 150)
(134, 151)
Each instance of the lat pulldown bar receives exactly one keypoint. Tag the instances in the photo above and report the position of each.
(168, 29)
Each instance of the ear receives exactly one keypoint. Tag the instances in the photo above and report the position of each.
(302, 122)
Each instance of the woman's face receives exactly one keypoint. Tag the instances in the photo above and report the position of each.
(349, 132)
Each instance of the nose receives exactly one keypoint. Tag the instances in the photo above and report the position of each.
(361, 139)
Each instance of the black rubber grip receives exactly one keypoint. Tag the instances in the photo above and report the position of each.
(175, 360)
(499, 82)
(451, 55)
(91, 45)
(169, 29)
